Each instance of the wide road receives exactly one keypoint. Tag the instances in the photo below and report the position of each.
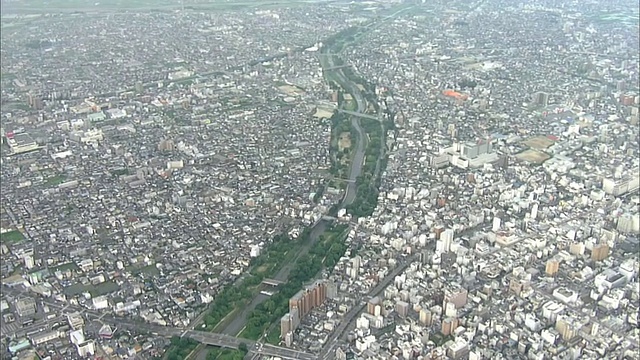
(361, 144)
(238, 323)
(328, 350)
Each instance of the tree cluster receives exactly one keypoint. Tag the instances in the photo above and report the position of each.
(325, 253)
(228, 354)
(232, 297)
(181, 348)
(340, 123)
(368, 183)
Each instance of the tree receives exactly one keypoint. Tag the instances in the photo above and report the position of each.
(243, 347)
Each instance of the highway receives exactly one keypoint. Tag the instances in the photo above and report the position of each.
(328, 351)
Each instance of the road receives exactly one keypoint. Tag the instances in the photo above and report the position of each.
(209, 338)
(361, 144)
(328, 351)
(239, 320)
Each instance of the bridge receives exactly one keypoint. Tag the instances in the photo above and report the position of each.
(208, 338)
(272, 282)
(366, 116)
(226, 341)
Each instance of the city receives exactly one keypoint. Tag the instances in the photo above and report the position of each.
(320, 180)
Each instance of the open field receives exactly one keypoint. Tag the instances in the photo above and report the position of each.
(538, 142)
(291, 90)
(11, 237)
(533, 156)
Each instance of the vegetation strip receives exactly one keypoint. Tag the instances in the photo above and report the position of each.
(368, 183)
(324, 254)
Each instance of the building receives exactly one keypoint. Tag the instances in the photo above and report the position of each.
(552, 267)
(541, 98)
(286, 325)
(449, 325)
(166, 145)
(105, 332)
(44, 337)
(473, 150)
(87, 348)
(402, 308)
(20, 143)
(628, 223)
(457, 297)
(446, 240)
(26, 307)
(458, 350)
(565, 295)
(599, 252)
(19, 345)
(35, 101)
(76, 321)
(551, 311)
(622, 185)
(302, 303)
(371, 305)
(567, 327)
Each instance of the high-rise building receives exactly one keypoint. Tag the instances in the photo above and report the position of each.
(599, 252)
(541, 98)
(425, 317)
(449, 325)
(402, 308)
(35, 101)
(286, 325)
(457, 297)
(166, 145)
(567, 327)
(496, 224)
(552, 267)
(446, 240)
(301, 304)
(371, 305)
(628, 223)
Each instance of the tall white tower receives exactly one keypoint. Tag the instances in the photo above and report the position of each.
(496, 224)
